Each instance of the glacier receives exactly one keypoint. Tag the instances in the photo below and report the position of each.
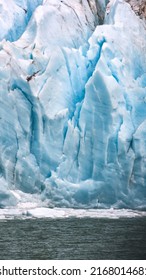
(72, 104)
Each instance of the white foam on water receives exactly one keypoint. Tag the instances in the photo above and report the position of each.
(43, 212)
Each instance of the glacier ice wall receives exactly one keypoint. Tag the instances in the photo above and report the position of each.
(73, 104)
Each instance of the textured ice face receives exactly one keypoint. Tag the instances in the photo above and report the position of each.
(73, 110)
(14, 17)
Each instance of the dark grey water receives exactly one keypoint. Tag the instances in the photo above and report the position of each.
(73, 238)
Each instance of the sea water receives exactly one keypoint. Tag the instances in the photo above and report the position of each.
(73, 238)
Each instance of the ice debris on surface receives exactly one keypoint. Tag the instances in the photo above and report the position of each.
(65, 213)
(139, 7)
(73, 106)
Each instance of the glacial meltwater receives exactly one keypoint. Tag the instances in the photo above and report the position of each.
(73, 238)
